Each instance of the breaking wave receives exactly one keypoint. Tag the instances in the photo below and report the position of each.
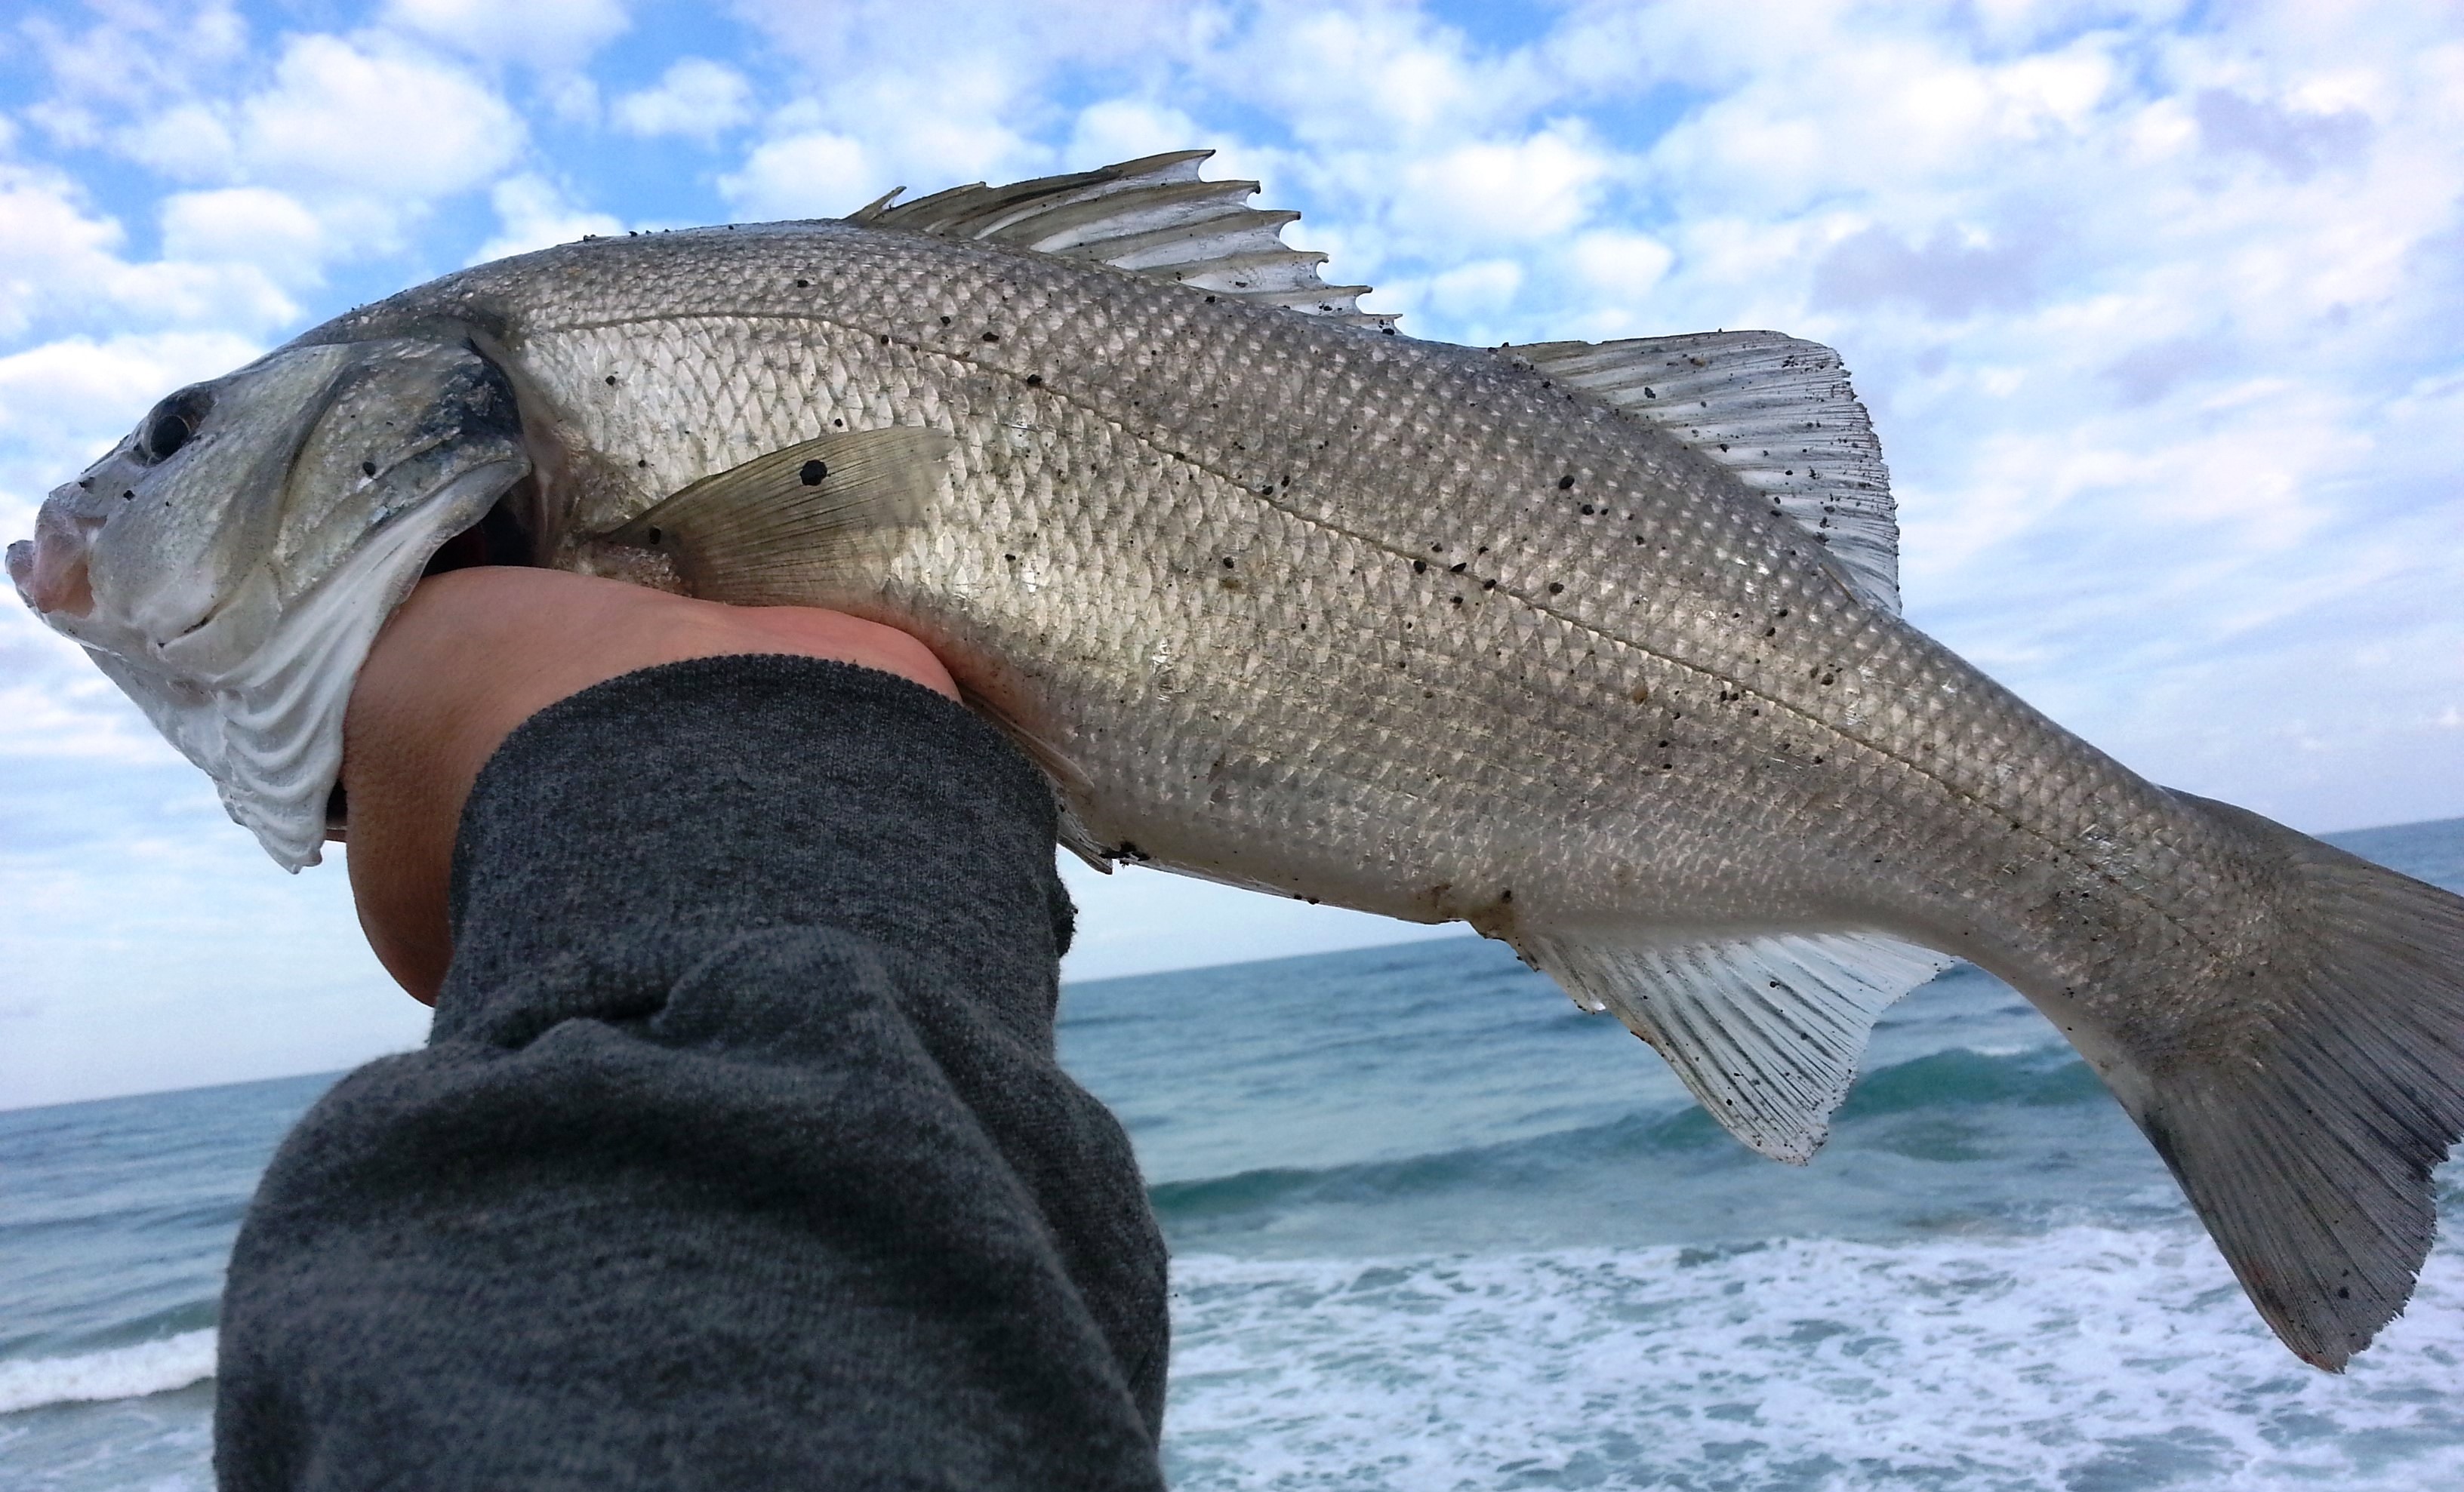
(115, 1374)
(2096, 1359)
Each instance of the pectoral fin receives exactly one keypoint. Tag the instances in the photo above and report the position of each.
(1070, 784)
(807, 525)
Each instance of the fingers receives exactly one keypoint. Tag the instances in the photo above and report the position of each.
(474, 653)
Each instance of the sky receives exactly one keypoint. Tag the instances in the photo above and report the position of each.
(2159, 310)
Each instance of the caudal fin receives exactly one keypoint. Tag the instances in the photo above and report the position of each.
(2309, 1152)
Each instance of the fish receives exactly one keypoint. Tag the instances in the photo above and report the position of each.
(1595, 648)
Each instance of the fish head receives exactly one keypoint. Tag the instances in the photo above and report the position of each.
(230, 563)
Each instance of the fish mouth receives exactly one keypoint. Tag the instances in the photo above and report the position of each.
(502, 537)
(518, 529)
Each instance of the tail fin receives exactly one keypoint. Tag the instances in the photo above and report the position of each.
(2310, 1157)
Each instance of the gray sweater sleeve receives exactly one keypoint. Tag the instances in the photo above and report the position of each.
(738, 1157)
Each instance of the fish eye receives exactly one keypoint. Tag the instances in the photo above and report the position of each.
(171, 424)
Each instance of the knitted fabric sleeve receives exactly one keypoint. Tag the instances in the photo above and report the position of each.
(737, 1155)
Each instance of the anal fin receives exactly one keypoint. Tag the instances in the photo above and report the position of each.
(1766, 1031)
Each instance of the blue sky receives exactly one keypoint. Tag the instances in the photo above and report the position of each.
(2159, 309)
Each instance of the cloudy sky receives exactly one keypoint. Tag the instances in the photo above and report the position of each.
(2159, 308)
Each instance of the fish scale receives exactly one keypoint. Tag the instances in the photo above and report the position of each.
(1280, 598)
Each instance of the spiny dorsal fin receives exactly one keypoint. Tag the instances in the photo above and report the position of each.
(807, 525)
(1153, 217)
(1776, 411)
(1764, 1031)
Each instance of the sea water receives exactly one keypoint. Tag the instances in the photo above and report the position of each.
(1433, 1228)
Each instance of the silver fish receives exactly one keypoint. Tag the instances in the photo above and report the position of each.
(1595, 648)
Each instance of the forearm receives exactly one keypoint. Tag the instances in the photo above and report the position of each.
(739, 1156)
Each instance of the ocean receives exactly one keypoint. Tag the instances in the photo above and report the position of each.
(1432, 1228)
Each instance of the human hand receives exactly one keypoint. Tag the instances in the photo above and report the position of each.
(474, 653)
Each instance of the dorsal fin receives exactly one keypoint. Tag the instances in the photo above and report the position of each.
(1776, 411)
(1153, 217)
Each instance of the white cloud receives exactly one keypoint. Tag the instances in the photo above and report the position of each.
(185, 142)
(1618, 263)
(532, 213)
(135, 60)
(1487, 192)
(208, 965)
(1957, 270)
(59, 260)
(825, 157)
(868, 37)
(571, 98)
(694, 98)
(934, 93)
(247, 225)
(819, 173)
(1480, 288)
(543, 33)
(366, 132)
(942, 127)
(1367, 78)
(48, 245)
(1125, 129)
(54, 712)
(342, 119)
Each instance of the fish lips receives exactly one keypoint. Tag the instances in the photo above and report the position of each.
(50, 569)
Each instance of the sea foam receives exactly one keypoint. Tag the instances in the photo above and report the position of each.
(2085, 1357)
(119, 1372)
